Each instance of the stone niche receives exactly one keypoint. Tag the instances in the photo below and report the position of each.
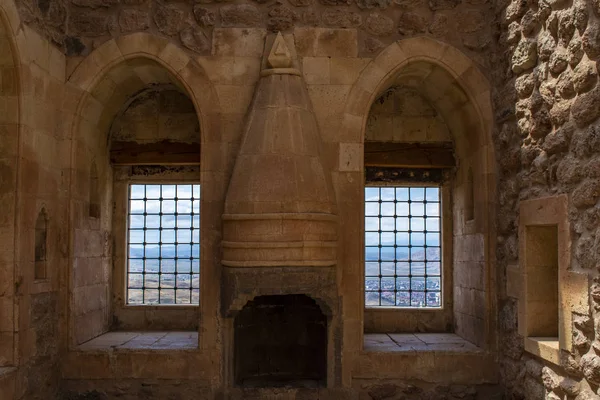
(280, 341)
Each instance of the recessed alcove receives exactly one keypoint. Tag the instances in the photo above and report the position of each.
(280, 341)
(424, 135)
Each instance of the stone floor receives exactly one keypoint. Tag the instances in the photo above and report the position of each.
(399, 342)
(143, 340)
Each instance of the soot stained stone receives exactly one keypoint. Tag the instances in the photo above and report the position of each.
(280, 341)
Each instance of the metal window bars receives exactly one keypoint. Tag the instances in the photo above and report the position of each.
(403, 246)
(163, 247)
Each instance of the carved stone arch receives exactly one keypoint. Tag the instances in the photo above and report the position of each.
(380, 71)
(144, 46)
(464, 100)
(104, 82)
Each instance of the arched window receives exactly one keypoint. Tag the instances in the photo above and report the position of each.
(41, 234)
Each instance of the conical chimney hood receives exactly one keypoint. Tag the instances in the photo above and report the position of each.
(280, 206)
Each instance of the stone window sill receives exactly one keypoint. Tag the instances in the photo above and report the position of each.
(417, 342)
(142, 341)
(404, 309)
(546, 348)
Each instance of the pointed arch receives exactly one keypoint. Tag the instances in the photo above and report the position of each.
(128, 52)
(462, 95)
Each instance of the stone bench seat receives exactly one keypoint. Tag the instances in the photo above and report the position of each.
(409, 342)
(176, 340)
(427, 357)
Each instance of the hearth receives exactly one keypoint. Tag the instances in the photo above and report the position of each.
(280, 341)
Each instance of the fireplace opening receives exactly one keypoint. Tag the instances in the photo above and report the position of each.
(280, 341)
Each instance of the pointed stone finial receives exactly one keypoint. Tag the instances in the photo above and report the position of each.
(280, 56)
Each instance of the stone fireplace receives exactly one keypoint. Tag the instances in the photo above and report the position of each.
(280, 340)
(280, 230)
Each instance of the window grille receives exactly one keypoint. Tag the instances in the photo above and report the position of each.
(403, 246)
(163, 260)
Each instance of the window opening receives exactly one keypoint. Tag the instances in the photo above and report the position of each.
(403, 246)
(41, 234)
(163, 261)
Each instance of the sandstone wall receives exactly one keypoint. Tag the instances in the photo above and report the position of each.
(33, 152)
(548, 142)
(79, 26)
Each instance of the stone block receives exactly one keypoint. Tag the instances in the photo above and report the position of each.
(345, 71)
(238, 42)
(351, 157)
(321, 42)
(316, 70)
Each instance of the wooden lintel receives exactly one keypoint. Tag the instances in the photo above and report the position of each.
(159, 153)
(409, 155)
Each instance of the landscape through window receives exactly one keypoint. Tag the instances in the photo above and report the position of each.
(403, 246)
(163, 258)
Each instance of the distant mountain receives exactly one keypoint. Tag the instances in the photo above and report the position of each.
(166, 251)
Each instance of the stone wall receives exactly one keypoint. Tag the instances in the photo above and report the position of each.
(79, 26)
(157, 114)
(539, 57)
(31, 150)
(549, 136)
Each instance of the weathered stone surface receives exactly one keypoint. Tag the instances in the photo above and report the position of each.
(585, 76)
(591, 41)
(546, 45)
(440, 25)
(310, 17)
(585, 195)
(530, 23)
(379, 25)
(341, 18)
(73, 46)
(411, 23)
(569, 170)
(580, 14)
(281, 19)
(584, 109)
(564, 85)
(372, 45)
(95, 3)
(436, 5)
(566, 25)
(240, 15)
(558, 61)
(369, 4)
(515, 10)
(88, 23)
(575, 51)
(301, 3)
(560, 112)
(590, 364)
(524, 85)
(169, 20)
(195, 39)
(525, 56)
(551, 379)
(204, 16)
(336, 2)
(131, 20)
